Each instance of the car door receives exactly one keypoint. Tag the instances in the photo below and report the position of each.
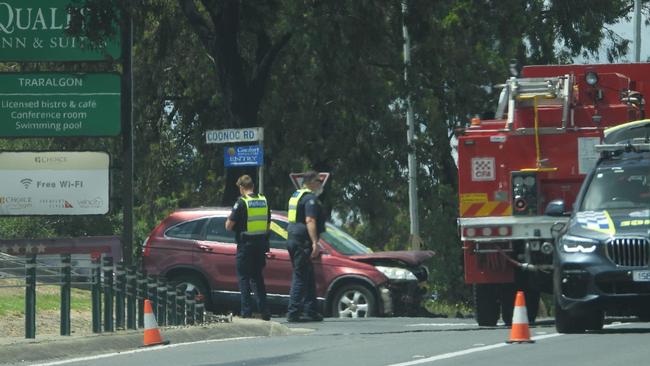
(216, 255)
(174, 248)
(277, 273)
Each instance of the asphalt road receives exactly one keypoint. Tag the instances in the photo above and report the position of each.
(402, 341)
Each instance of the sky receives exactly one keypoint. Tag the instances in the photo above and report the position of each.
(626, 30)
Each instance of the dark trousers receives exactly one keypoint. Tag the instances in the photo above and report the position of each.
(250, 264)
(303, 284)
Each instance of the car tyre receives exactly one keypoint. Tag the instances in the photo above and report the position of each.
(567, 322)
(195, 284)
(354, 301)
(486, 306)
(594, 319)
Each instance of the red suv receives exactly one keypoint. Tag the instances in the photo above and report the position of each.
(192, 248)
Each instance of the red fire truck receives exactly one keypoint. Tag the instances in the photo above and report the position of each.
(536, 150)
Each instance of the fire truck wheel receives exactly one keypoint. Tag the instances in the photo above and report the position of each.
(486, 306)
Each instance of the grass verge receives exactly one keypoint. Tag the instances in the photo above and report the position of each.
(48, 297)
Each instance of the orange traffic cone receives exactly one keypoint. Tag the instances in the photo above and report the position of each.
(151, 333)
(519, 333)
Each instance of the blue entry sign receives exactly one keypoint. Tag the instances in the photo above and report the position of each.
(252, 155)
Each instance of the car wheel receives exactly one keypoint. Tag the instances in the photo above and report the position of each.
(486, 306)
(567, 322)
(195, 285)
(354, 301)
(594, 319)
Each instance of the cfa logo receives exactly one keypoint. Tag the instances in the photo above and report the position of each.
(483, 169)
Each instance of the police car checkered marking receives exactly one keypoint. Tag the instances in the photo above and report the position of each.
(595, 220)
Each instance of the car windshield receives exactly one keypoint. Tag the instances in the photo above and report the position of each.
(618, 187)
(342, 242)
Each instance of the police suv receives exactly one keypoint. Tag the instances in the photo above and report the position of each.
(601, 262)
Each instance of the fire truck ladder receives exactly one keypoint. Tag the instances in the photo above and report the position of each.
(526, 89)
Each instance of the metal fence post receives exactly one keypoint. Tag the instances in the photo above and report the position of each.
(131, 286)
(189, 307)
(152, 293)
(142, 294)
(65, 294)
(171, 305)
(108, 294)
(199, 310)
(97, 294)
(120, 289)
(30, 297)
(162, 301)
(180, 306)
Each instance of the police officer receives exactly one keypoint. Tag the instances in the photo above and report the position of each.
(250, 219)
(306, 223)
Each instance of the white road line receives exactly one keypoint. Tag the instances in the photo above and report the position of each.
(468, 351)
(154, 348)
(441, 325)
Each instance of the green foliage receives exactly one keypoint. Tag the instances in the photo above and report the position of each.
(326, 81)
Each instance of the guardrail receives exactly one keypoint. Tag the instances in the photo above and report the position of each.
(122, 288)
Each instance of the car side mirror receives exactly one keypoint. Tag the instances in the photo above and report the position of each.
(555, 208)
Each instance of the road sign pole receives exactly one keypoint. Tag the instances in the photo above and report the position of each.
(127, 140)
(260, 174)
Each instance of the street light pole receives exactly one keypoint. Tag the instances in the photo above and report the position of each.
(410, 136)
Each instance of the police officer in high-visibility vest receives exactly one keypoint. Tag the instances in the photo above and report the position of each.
(250, 219)
(306, 223)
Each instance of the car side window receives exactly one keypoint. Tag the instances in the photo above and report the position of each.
(278, 237)
(187, 230)
(216, 231)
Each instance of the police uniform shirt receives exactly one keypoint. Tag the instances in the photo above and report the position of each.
(309, 205)
(239, 215)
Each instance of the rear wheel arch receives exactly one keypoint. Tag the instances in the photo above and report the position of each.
(185, 274)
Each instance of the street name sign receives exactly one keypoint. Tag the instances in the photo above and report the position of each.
(34, 30)
(54, 183)
(57, 104)
(243, 156)
(234, 135)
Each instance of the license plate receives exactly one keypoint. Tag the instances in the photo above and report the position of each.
(641, 276)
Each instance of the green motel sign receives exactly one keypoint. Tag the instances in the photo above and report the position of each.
(34, 30)
(58, 104)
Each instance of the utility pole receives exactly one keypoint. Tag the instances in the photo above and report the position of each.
(127, 138)
(410, 135)
(637, 30)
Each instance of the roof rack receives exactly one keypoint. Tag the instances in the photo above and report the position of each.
(636, 145)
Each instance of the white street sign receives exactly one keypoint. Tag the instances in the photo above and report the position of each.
(234, 135)
(298, 178)
(54, 183)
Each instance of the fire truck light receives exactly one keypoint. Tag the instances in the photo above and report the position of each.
(476, 121)
(591, 78)
(487, 231)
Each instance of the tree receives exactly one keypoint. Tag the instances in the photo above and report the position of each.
(325, 80)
